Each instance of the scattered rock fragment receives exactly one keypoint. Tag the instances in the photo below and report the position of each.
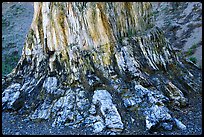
(179, 124)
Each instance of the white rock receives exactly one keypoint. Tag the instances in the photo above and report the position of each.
(108, 109)
(149, 124)
(98, 127)
(50, 84)
(167, 126)
(129, 102)
(92, 119)
(179, 124)
(132, 119)
(5, 97)
(15, 97)
(92, 110)
(140, 90)
(156, 114)
(11, 94)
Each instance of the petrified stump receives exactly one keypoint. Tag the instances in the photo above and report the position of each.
(89, 63)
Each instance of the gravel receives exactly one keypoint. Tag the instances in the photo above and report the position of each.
(191, 116)
(14, 124)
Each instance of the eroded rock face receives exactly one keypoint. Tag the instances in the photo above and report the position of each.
(103, 99)
(89, 64)
(157, 114)
(96, 122)
(50, 84)
(10, 95)
(151, 104)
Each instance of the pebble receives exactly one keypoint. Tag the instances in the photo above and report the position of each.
(132, 119)
(98, 127)
(17, 133)
(92, 110)
(26, 120)
(179, 124)
(167, 126)
(112, 133)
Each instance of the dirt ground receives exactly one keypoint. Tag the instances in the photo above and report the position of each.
(16, 21)
(182, 25)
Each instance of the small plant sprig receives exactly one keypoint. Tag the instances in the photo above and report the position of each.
(193, 59)
(191, 50)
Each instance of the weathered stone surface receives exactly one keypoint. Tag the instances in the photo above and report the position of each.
(142, 95)
(92, 80)
(92, 119)
(129, 102)
(152, 106)
(175, 94)
(92, 110)
(156, 115)
(96, 122)
(79, 118)
(10, 95)
(81, 101)
(126, 60)
(50, 84)
(59, 92)
(98, 127)
(62, 108)
(103, 99)
(42, 112)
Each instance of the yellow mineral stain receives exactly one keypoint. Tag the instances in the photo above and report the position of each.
(57, 35)
(91, 27)
(106, 48)
(66, 33)
(102, 32)
(106, 24)
(106, 59)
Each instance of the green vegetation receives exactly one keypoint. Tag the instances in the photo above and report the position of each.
(191, 50)
(193, 59)
(194, 46)
(130, 33)
(6, 69)
(9, 63)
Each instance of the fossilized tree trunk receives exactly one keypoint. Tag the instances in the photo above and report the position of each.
(91, 63)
